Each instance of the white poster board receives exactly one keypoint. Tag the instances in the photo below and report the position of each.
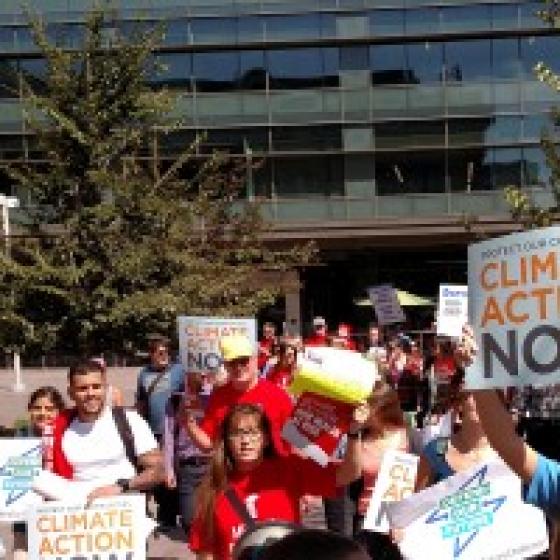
(110, 526)
(385, 301)
(20, 463)
(475, 515)
(514, 308)
(395, 481)
(199, 338)
(453, 309)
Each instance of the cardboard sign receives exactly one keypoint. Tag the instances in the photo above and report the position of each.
(385, 301)
(199, 338)
(20, 463)
(475, 515)
(395, 481)
(111, 528)
(453, 309)
(316, 426)
(514, 309)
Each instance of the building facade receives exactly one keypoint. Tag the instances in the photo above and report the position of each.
(388, 128)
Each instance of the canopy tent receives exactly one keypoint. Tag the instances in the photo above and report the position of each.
(406, 299)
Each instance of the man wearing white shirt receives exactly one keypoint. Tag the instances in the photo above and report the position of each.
(89, 446)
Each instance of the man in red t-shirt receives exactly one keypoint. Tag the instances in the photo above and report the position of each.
(319, 336)
(243, 386)
(266, 343)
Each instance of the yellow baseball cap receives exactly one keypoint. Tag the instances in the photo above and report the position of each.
(235, 346)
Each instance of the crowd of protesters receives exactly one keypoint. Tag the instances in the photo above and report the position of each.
(208, 446)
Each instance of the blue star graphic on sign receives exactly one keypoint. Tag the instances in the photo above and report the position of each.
(466, 512)
(14, 494)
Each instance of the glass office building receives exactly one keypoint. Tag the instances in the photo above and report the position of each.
(379, 120)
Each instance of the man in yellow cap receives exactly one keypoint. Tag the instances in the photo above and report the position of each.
(243, 386)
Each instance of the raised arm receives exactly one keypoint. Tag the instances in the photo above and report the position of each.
(350, 468)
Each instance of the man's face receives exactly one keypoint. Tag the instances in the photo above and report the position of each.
(374, 335)
(242, 370)
(320, 330)
(160, 356)
(269, 331)
(88, 392)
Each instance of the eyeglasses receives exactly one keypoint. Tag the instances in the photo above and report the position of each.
(251, 435)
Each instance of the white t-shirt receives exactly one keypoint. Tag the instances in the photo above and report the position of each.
(95, 449)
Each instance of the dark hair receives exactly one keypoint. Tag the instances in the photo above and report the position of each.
(157, 340)
(83, 367)
(222, 464)
(314, 544)
(49, 392)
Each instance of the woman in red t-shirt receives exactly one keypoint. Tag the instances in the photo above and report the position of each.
(282, 373)
(269, 485)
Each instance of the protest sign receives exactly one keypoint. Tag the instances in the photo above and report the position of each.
(474, 515)
(514, 303)
(316, 426)
(453, 309)
(385, 301)
(395, 481)
(109, 529)
(199, 338)
(20, 463)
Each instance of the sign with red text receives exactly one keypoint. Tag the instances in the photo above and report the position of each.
(395, 481)
(385, 301)
(514, 309)
(199, 339)
(316, 426)
(110, 528)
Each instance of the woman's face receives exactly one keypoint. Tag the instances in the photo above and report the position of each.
(42, 412)
(246, 439)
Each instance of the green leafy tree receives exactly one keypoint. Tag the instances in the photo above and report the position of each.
(120, 241)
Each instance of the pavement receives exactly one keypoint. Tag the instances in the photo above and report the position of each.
(13, 407)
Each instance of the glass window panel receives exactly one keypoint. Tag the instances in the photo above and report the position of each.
(538, 96)
(529, 17)
(331, 67)
(310, 175)
(465, 18)
(388, 64)
(9, 84)
(309, 138)
(216, 71)
(354, 58)
(504, 130)
(506, 62)
(536, 172)
(24, 39)
(176, 72)
(470, 169)
(252, 70)
(534, 126)
(236, 141)
(388, 101)
(404, 134)
(35, 72)
(328, 25)
(507, 167)
(295, 68)
(214, 30)
(539, 49)
(421, 20)
(425, 62)
(283, 28)
(176, 32)
(398, 173)
(468, 60)
(470, 99)
(386, 22)
(7, 38)
(507, 97)
(468, 131)
(505, 16)
(250, 28)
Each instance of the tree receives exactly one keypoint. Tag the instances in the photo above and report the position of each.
(121, 243)
(522, 208)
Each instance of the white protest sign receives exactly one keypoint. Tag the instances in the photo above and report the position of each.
(453, 309)
(395, 481)
(385, 301)
(514, 307)
(110, 528)
(475, 515)
(199, 338)
(20, 463)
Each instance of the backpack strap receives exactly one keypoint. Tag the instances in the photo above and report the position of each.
(442, 445)
(126, 435)
(240, 508)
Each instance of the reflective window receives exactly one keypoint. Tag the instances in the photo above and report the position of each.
(507, 167)
(468, 61)
(7, 38)
(506, 63)
(307, 138)
(536, 172)
(296, 68)
(328, 25)
(529, 17)
(331, 67)
(216, 71)
(24, 39)
(398, 173)
(386, 22)
(214, 30)
(175, 72)
(505, 16)
(252, 70)
(465, 18)
(403, 134)
(469, 131)
(422, 20)
(35, 72)
(425, 62)
(8, 78)
(539, 49)
(470, 169)
(283, 28)
(388, 64)
(236, 141)
(534, 126)
(250, 28)
(176, 32)
(354, 58)
(504, 130)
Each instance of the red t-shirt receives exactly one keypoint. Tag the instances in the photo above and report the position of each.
(316, 340)
(265, 349)
(281, 376)
(271, 492)
(275, 402)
